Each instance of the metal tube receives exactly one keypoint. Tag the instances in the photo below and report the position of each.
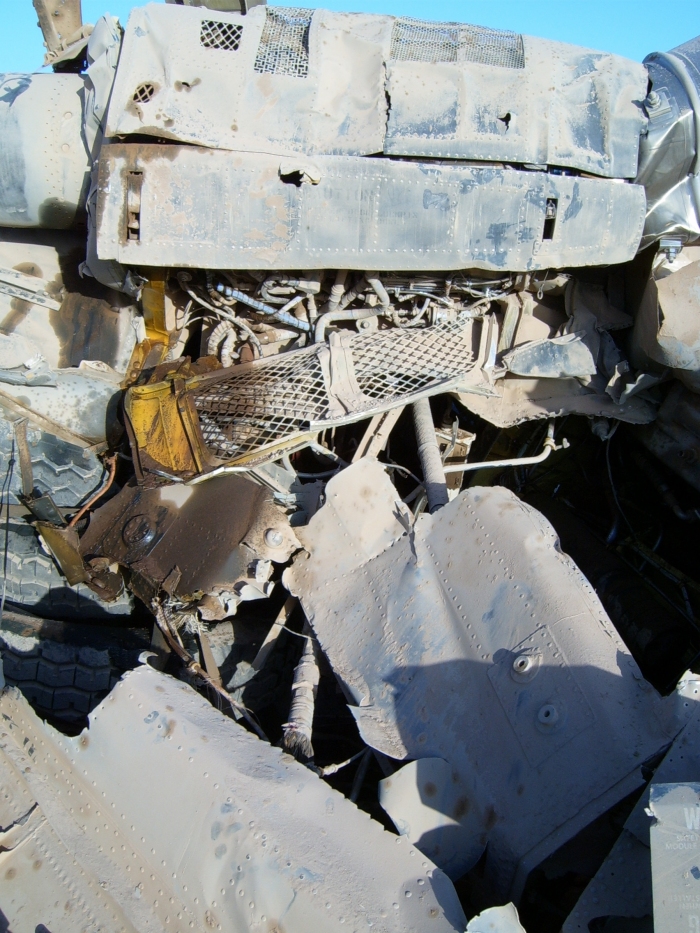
(378, 287)
(549, 446)
(338, 289)
(297, 732)
(678, 69)
(330, 317)
(429, 454)
(277, 313)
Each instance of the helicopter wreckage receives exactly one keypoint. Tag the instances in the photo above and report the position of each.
(350, 442)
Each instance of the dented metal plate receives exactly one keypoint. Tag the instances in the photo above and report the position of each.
(295, 80)
(469, 636)
(522, 100)
(298, 80)
(204, 208)
(152, 531)
(187, 821)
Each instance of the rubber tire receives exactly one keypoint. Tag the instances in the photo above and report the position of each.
(62, 681)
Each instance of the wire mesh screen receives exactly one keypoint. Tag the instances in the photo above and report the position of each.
(393, 363)
(262, 405)
(284, 43)
(414, 40)
(218, 35)
(274, 400)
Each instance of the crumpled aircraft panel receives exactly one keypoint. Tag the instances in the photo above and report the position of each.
(210, 209)
(291, 79)
(469, 636)
(186, 821)
(317, 82)
(467, 92)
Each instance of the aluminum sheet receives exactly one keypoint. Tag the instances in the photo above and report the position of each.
(314, 81)
(470, 636)
(187, 821)
(204, 208)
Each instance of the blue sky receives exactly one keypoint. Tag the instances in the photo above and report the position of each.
(628, 27)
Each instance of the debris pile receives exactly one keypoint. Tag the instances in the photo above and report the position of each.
(350, 440)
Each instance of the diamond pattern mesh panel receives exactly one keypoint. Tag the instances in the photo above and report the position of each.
(394, 363)
(247, 410)
(143, 93)
(217, 35)
(284, 43)
(414, 40)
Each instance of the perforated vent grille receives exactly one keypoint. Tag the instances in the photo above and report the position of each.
(273, 401)
(284, 43)
(216, 35)
(143, 93)
(414, 40)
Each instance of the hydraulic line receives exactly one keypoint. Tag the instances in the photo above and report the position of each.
(277, 313)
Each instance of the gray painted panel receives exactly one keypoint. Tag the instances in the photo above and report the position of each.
(499, 97)
(214, 209)
(468, 635)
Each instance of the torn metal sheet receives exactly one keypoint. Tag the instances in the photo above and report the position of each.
(294, 80)
(365, 213)
(681, 763)
(675, 855)
(469, 636)
(61, 24)
(496, 920)
(42, 885)
(186, 821)
(322, 82)
(514, 399)
(669, 160)
(428, 805)
(43, 300)
(81, 400)
(592, 298)
(674, 437)
(667, 328)
(558, 358)
(468, 92)
(238, 529)
(622, 886)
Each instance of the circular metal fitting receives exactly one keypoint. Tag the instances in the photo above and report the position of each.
(139, 530)
(523, 664)
(548, 715)
(274, 538)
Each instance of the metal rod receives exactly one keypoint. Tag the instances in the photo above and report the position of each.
(429, 454)
(360, 775)
(196, 668)
(112, 461)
